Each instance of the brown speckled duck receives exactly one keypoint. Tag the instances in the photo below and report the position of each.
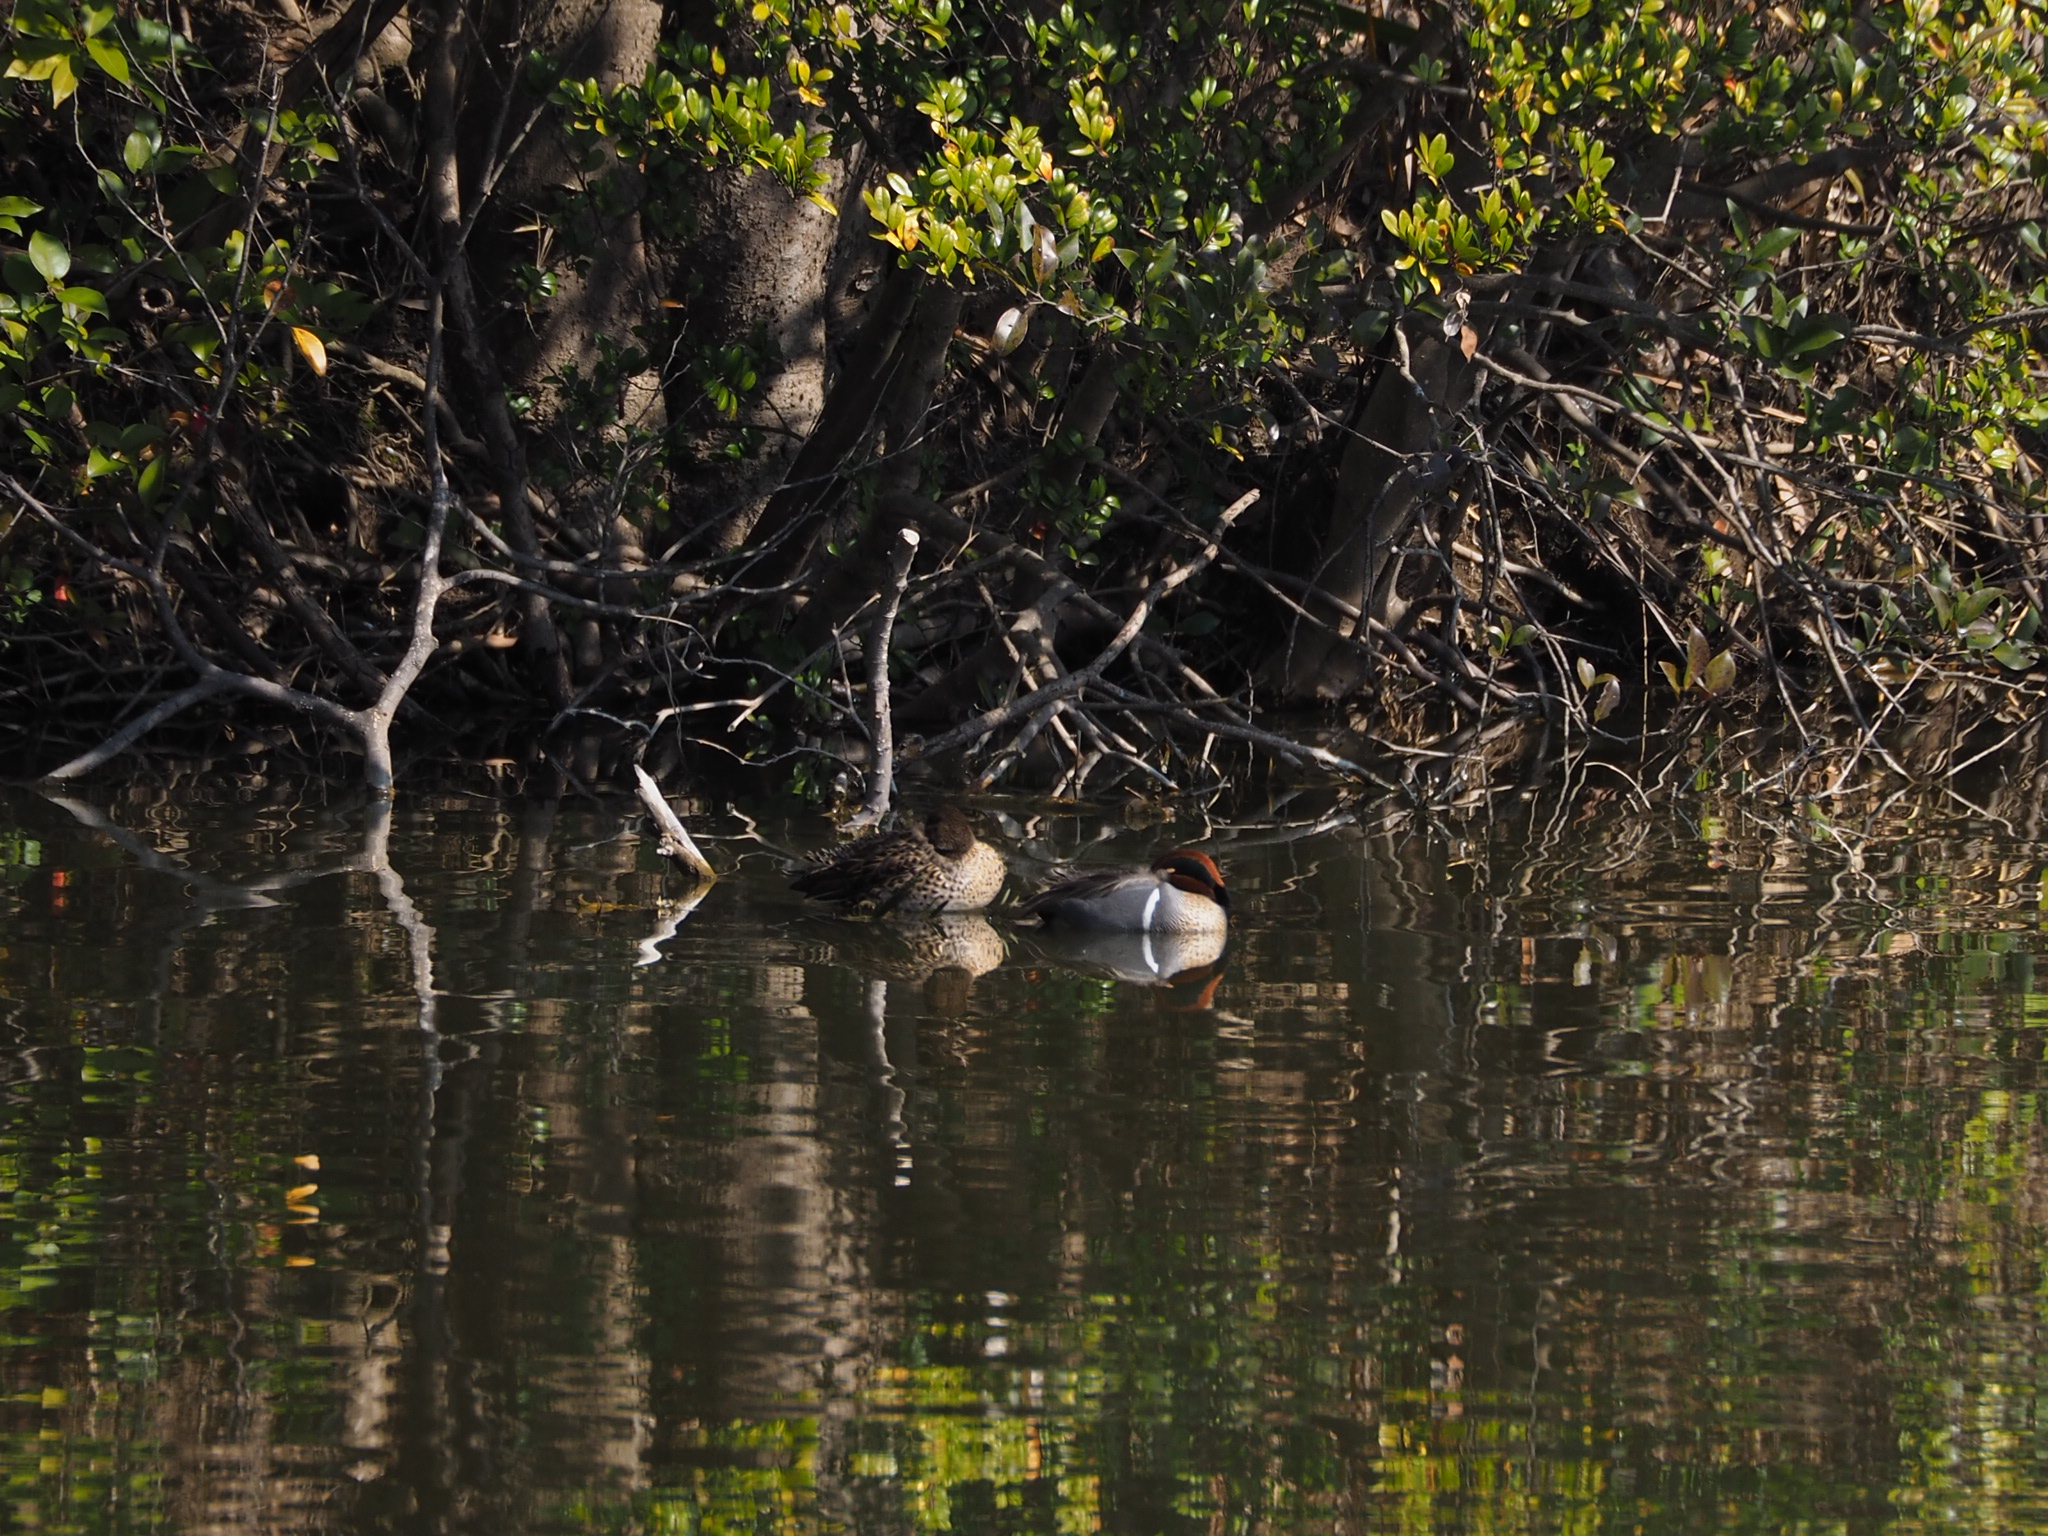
(939, 867)
(1181, 894)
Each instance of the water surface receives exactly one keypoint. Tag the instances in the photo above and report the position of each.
(1589, 1170)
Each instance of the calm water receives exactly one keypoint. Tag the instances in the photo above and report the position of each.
(1595, 1171)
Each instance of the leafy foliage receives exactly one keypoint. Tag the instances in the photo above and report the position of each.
(1725, 319)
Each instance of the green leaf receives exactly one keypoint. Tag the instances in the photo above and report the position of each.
(109, 58)
(18, 207)
(48, 254)
(150, 483)
(1815, 336)
(1776, 243)
(90, 299)
(1672, 674)
(1720, 673)
(1970, 606)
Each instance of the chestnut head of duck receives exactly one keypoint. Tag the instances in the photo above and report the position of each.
(1193, 872)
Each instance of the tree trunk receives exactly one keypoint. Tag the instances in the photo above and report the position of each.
(617, 294)
(1379, 484)
(761, 277)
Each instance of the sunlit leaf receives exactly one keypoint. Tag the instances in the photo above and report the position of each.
(63, 81)
(49, 256)
(314, 348)
(1720, 673)
(1045, 253)
(1010, 329)
(109, 58)
(24, 68)
(1697, 655)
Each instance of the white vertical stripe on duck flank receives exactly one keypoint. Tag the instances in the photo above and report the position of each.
(1151, 906)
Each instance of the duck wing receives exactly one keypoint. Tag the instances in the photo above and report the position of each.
(1090, 887)
(870, 870)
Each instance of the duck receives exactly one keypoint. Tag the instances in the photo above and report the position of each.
(940, 866)
(1182, 895)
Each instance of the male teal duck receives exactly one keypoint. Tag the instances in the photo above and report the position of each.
(938, 867)
(1181, 894)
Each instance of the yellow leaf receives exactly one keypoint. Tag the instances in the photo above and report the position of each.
(314, 348)
(63, 81)
(300, 1193)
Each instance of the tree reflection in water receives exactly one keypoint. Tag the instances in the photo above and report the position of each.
(1578, 1172)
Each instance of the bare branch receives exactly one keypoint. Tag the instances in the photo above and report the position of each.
(881, 778)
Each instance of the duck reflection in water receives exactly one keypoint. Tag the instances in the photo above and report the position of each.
(1188, 965)
(915, 948)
